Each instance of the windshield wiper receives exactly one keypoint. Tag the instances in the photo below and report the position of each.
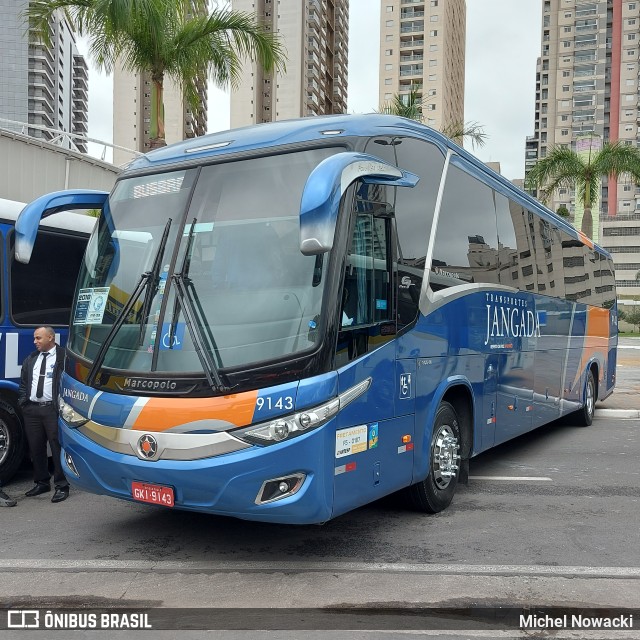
(143, 282)
(194, 316)
(153, 282)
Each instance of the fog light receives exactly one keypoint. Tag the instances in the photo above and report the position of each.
(69, 460)
(279, 488)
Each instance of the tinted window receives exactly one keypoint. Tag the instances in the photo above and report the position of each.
(413, 208)
(42, 291)
(466, 244)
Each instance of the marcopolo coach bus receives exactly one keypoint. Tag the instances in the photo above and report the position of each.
(287, 321)
(33, 294)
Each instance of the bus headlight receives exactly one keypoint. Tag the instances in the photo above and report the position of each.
(287, 427)
(70, 415)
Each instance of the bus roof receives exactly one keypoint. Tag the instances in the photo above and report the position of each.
(333, 127)
(65, 220)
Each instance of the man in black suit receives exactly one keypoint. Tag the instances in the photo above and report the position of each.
(38, 397)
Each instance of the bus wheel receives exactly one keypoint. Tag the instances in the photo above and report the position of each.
(11, 445)
(584, 416)
(435, 492)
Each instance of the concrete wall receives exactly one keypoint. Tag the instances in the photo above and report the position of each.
(30, 168)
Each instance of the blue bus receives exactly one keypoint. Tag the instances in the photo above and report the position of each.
(32, 294)
(287, 321)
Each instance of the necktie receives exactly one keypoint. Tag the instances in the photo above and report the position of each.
(43, 371)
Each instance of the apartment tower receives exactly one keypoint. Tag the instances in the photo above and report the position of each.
(41, 85)
(587, 94)
(422, 50)
(132, 106)
(315, 34)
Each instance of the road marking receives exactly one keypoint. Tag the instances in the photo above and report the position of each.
(628, 346)
(512, 478)
(171, 566)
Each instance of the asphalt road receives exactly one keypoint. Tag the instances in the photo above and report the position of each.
(548, 519)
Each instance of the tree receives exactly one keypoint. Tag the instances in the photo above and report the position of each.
(633, 316)
(411, 107)
(164, 38)
(565, 168)
(562, 211)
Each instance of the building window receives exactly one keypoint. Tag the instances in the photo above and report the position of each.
(433, 63)
(388, 52)
(433, 47)
(434, 3)
(388, 81)
(566, 43)
(389, 24)
(433, 34)
(567, 29)
(564, 118)
(432, 77)
(564, 132)
(433, 18)
(566, 73)
(389, 37)
(388, 67)
(631, 36)
(565, 87)
(389, 8)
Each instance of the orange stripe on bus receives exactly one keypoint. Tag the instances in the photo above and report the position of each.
(585, 239)
(160, 414)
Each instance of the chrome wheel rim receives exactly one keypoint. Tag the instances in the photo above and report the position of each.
(445, 456)
(590, 397)
(5, 440)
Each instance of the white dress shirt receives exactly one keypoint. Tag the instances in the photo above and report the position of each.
(47, 394)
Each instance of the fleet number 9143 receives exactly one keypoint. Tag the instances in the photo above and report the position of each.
(283, 402)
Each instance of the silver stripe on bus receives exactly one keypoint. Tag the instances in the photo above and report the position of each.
(424, 291)
(93, 403)
(134, 413)
(170, 446)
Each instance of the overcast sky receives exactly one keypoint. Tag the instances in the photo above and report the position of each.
(503, 43)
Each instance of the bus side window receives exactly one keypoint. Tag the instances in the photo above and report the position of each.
(366, 294)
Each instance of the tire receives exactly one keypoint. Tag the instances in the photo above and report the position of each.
(12, 445)
(584, 416)
(435, 492)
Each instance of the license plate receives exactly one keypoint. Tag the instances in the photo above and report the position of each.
(152, 493)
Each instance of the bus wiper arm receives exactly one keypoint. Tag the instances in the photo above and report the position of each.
(142, 283)
(153, 281)
(195, 327)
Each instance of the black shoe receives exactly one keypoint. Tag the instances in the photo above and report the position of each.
(37, 489)
(60, 494)
(6, 501)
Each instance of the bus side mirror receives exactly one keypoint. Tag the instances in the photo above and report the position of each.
(29, 218)
(325, 186)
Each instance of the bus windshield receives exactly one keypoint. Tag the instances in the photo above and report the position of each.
(201, 268)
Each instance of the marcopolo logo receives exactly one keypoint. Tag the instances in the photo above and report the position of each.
(150, 384)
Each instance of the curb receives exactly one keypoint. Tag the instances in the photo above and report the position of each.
(617, 413)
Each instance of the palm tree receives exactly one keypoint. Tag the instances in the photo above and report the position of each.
(164, 38)
(564, 168)
(411, 107)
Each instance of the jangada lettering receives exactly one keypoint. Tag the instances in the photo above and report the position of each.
(511, 322)
(150, 385)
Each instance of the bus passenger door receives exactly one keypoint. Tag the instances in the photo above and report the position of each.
(374, 434)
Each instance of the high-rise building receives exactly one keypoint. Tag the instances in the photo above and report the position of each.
(422, 49)
(133, 104)
(587, 94)
(42, 85)
(315, 34)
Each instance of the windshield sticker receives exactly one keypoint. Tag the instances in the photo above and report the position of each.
(91, 305)
(172, 342)
(351, 441)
